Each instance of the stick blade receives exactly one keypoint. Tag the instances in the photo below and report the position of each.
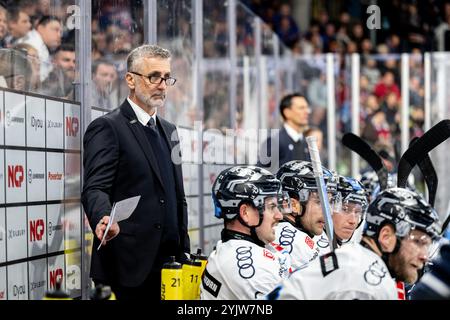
(363, 149)
(420, 149)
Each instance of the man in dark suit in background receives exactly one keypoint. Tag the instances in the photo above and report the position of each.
(127, 153)
(294, 109)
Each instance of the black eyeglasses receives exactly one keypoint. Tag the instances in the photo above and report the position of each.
(157, 79)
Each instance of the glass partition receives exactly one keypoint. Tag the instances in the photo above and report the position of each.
(380, 102)
(216, 71)
(247, 82)
(174, 27)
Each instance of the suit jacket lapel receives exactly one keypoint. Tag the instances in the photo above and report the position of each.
(138, 131)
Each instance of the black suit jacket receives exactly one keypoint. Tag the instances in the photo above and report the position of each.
(285, 150)
(119, 163)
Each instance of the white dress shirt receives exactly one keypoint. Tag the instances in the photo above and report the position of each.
(296, 136)
(142, 116)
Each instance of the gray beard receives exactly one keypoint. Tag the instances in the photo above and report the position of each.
(148, 101)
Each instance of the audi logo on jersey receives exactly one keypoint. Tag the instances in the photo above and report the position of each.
(323, 242)
(375, 274)
(287, 238)
(245, 262)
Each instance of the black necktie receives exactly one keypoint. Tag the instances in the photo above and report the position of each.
(151, 124)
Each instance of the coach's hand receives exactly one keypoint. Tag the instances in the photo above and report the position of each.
(101, 227)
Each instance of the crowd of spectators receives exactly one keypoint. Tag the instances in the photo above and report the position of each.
(340, 27)
(35, 35)
(39, 31)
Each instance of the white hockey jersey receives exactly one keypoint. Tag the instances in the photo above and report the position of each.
(352, 272)
(323, 242)
(302, 248)
(242, 270)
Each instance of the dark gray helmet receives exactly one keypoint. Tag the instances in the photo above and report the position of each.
(242, 183)
(403, 208)
(297, 178)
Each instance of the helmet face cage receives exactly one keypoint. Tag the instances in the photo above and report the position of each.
(242, 184)
(297, 178)
(350, 191)
(403, 208)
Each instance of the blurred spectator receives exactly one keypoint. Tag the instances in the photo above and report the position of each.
(393, 43)
(43, 8)
(391, 64)
(342, 35)
(370, 107)
(104, 75)
(417, 122)
(377, 129)
(30, 8)
(118, 41)
(328, 36)
(357, 33)
(59, 82)
(99, 44)
(386, 86)
(390, 107)
(323, 20)
(33, 57)
(19, 25)
(45, 38)
(416, 92)
(413, 28)
(382, 49)
(442, 31)
(372, 73)
(364, 89)
(285, 25)
(352, 47)
(366, 47)
(3, 26)
(15, 70)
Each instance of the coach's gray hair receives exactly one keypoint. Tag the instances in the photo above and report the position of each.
(146, 51)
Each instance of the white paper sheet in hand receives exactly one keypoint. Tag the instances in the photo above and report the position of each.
(121, 210)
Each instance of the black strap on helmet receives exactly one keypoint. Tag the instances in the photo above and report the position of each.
(253, 234)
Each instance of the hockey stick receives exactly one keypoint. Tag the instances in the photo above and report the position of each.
(420, 149)
(358, 145)
(321, 189)
(447, 220)
(429, 173)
